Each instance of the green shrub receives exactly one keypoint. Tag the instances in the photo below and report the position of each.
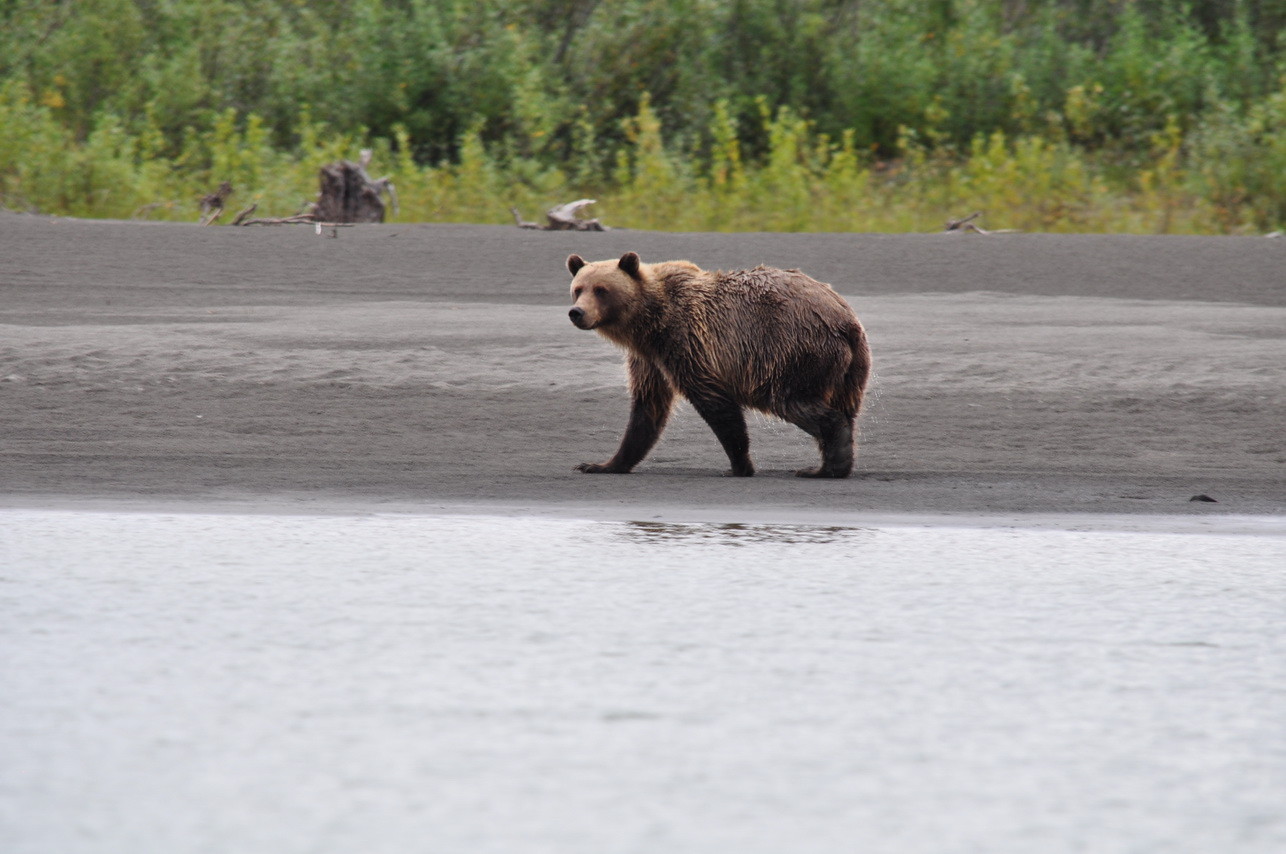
(1157, 115)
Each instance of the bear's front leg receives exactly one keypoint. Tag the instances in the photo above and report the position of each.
(729, 425)
(652, 400)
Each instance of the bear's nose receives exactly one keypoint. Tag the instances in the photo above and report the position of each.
(577, 315)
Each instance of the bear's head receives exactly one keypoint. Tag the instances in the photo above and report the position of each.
(604, 293)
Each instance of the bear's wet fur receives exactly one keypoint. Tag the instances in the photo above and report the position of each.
(773, 340)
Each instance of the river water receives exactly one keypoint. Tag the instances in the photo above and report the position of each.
(399, 683)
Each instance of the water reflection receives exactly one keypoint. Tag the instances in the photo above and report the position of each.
(737, 534)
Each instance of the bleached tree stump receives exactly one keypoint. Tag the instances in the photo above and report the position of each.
(563, 218)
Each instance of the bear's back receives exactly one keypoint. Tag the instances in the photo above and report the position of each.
(761, 300)
(758, 331)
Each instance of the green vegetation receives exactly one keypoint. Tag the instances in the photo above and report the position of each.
(836, 115)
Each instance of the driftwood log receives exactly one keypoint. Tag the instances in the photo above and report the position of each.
(350, 194)
(965, 224)
(297, 219)
(563, 218)
(246, 214)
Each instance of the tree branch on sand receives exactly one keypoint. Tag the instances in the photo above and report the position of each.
(964, 224)
(563, 218)
(306, 215)
(297, 219)
(245, 214)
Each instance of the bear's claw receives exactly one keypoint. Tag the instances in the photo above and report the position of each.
(600, 468)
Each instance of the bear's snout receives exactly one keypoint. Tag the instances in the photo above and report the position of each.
(577, 314)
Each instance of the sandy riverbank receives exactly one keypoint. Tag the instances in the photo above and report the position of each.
(432, 366)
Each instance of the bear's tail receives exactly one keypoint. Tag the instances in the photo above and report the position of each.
(859, 371)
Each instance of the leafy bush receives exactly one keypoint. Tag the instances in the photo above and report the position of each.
(745, 114)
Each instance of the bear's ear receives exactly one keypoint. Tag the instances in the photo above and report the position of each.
(574, 263)
(630, 264)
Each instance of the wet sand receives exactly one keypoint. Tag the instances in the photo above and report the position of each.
(432, 368)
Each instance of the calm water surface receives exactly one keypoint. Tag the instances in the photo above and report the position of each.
(238, 683)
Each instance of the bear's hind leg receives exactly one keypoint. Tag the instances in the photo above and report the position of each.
(833, 431)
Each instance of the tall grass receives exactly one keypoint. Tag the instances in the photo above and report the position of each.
(836, 115)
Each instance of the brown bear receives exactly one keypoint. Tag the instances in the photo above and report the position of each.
(773, 340)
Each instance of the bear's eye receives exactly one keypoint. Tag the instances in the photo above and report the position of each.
(600, 291)
(576, 292)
